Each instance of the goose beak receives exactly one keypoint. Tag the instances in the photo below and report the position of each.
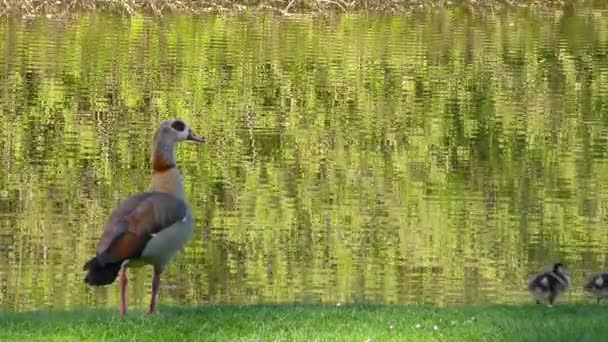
(194, 137)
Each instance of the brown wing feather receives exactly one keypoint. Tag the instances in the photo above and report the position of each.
(126, 246)
(133, 223)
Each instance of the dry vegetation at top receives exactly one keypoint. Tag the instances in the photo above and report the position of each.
(160, 7)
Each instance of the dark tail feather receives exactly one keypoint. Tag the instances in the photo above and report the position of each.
(100, 275)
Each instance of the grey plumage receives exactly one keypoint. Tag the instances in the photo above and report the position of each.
(549, 285)
(597, 286)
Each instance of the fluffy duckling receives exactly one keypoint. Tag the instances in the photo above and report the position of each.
(598, 286)
(550, 285)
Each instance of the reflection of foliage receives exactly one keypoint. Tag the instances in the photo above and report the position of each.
(429, 159)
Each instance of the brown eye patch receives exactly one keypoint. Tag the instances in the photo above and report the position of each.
(178, 126)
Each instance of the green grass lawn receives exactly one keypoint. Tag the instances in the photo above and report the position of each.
(314, 323)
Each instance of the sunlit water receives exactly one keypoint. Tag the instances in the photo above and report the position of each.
(427, 159)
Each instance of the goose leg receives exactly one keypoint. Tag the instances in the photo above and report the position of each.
(122, 277)
(552, 299)
(155, 286)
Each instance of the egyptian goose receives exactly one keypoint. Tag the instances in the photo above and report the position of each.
(148, 228)
(598, 286)
(550, 285)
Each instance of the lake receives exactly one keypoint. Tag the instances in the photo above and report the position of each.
(437, 158)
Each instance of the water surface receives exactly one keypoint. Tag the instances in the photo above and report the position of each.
(439, 158)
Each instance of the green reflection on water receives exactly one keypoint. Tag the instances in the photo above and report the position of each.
(430, 159)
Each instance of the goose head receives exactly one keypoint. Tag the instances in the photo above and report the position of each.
(558, 268)
(173, 131)
(168, 134)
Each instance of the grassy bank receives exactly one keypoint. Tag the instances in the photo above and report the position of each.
(314, 323)
(160, 7)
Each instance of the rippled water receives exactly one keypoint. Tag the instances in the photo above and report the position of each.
(429, 159)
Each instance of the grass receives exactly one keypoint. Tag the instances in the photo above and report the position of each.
(160, 7)
(314, 323)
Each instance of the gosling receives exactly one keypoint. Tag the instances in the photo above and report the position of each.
(598, 286)
(549, 285)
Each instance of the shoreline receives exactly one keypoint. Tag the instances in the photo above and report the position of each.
(159, 8)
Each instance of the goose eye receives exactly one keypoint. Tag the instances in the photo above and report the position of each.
(178, 126)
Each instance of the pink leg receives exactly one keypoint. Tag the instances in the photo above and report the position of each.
(155, 286)
(122, 277)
